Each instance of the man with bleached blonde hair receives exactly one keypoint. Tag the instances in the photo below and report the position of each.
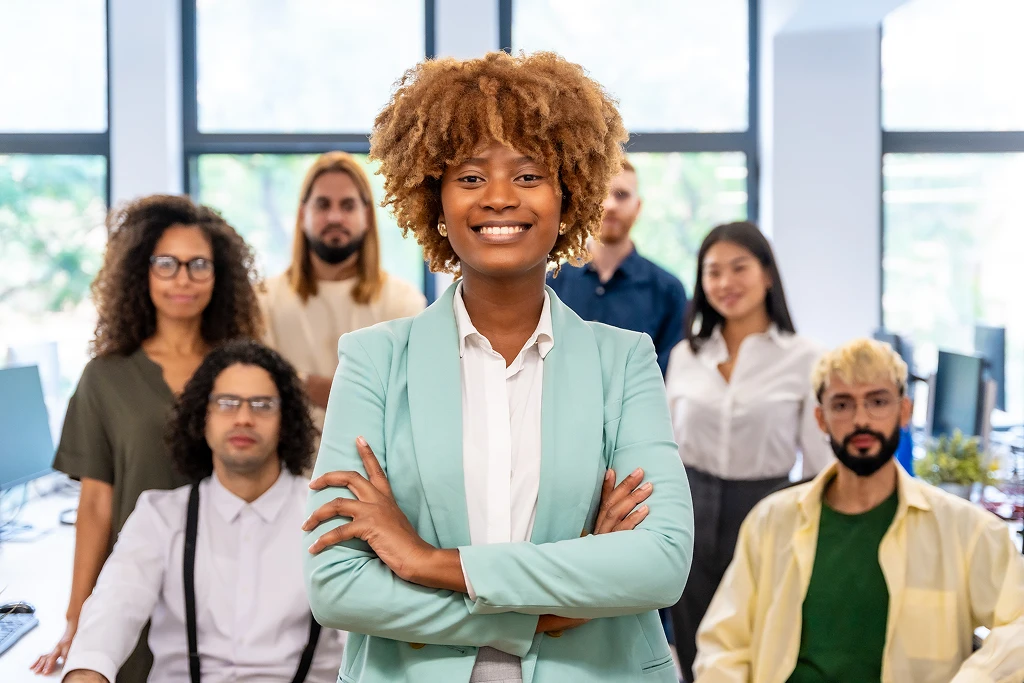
(864, 573)
(335, 283)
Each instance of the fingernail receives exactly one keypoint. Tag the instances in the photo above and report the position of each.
(361, 441)
(647, 487)
(608, 475)
(644, 509)
(311, 552)
(637, 472)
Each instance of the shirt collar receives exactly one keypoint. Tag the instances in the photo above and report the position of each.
(268, 506)
(634, 266)
(715, 350)
(909, 492)
(543, 336)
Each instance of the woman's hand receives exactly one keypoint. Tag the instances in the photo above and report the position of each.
(376, 517)
(53, 662)
(619, 511)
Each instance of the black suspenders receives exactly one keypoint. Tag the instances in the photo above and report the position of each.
(191, 531)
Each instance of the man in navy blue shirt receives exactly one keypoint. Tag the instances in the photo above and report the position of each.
(619, 286)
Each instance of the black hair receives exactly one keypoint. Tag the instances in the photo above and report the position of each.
(186, 434)
(700, 310)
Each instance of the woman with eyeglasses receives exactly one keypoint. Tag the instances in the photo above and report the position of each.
(176, 282)
(739, 390)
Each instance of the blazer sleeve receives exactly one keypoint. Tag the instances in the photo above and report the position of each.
(610, 574)
(349, 587)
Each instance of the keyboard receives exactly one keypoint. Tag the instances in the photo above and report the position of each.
(13, 627)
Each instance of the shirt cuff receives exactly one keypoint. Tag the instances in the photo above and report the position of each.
(465, 576)
(91, 661)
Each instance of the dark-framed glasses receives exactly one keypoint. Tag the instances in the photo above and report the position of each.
(230, 404)
(878, 406)
(166, 267)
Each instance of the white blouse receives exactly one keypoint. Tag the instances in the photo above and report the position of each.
(752, 426)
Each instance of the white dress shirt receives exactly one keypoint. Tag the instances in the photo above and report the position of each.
(501, 430)
(252, 614)
(752, 426)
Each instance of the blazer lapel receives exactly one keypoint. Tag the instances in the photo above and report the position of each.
(572, 428)
(435, 407)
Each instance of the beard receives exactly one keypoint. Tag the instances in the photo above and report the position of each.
(333, 255)
(864, 465)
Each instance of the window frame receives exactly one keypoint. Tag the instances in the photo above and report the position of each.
(70, 144)
(661, 142)
(196, 143)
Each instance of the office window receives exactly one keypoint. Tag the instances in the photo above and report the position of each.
(953, 250)
(269, 84)
(685, 195)
(54, 151)
(682, 73)
(54, 77)
(674, 66)
(287, 66)
(259, 193)
(950, 65)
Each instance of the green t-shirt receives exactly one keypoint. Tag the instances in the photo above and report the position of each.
(847, 603)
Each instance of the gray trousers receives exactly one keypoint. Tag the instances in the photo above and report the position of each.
(495, 666)
(719, 507)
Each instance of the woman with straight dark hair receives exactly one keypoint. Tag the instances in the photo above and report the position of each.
(739, 390)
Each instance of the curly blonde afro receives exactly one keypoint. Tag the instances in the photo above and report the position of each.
(539, 104)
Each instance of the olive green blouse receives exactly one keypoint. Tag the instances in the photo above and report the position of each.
(114, 430)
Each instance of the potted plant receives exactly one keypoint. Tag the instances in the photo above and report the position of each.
(954, 463)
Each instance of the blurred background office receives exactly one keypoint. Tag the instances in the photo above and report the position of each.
(878, 143)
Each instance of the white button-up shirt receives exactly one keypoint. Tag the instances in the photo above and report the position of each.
(501, 430)
(752, 426)
(252, 614)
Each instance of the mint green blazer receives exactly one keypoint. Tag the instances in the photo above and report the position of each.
(398, 384)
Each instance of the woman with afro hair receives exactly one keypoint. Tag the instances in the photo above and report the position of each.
(176, 281)
(475, 457)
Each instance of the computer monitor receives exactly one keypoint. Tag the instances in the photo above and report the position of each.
(990, 343)
(958, 396)
(26, 447)
(901, 345)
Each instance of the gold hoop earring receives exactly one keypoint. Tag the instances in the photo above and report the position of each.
(442, 228)
(562, 228)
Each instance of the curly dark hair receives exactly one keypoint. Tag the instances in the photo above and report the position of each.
(186, 431)
(126, 315)
(538, 104)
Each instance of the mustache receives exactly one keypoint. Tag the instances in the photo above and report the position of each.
(335, 228)
(863, 431)
(247, 433)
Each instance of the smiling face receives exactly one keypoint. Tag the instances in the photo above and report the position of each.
(734, 281)
(502, 210)
(181, 297)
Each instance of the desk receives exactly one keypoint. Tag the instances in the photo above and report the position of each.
(39, 572)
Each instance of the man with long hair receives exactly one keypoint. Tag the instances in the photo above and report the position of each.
(335, 283)
(212, 565)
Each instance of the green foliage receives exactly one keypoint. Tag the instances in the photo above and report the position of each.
(955, 459)
(51, 230)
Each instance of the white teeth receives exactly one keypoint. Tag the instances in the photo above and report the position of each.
(502, 229)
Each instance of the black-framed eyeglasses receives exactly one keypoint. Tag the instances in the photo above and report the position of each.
(166, 267)
(261, 406)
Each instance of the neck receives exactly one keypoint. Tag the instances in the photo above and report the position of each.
(504, 307)
(248, 485)
(608, 257)
(853, 495)
(177, 337)
(322, 270)
(735, 330)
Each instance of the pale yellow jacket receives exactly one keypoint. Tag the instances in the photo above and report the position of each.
(950, 567)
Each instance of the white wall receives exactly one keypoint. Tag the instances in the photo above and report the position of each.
(145, 98)
(826, 178)
(465, 28)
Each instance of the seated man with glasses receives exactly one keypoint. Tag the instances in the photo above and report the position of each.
(213, 565)
(866, 574)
